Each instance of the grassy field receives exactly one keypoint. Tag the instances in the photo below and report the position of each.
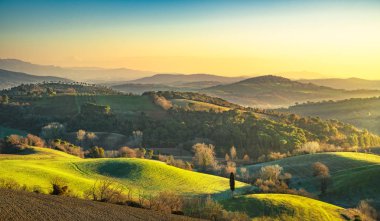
(69, 105)
(198, 105)
(354, 175)
(151, 177)
(283, 207)
(4, 131)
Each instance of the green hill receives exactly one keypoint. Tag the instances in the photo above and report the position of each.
(354, 175)
(283, 207)
(361, 112)
(151, 177)
(269, 91)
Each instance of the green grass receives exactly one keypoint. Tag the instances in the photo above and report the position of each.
(69, 105)
(283, 207)
(149, 176)
(5, 131)
(354, 175)
(198, 105)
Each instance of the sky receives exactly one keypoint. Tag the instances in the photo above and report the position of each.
(225, 37)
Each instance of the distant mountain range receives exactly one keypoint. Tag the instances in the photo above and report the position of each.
(348, 84)
(272, 91)
(10, 79)
(181, 79)
(174, 82)
(90, 74)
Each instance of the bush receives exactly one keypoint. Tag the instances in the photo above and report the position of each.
(96, 152)
(13, 144)
(206, 208)
(67, 147)
(59, 186)
(9, 184)
(106, 190)
(127, 152)
(35, 141)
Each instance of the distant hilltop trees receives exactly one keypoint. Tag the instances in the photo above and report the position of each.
(54, 88)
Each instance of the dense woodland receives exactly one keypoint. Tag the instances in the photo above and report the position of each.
(251, 131)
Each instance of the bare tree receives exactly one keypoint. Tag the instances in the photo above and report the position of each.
(321, 171)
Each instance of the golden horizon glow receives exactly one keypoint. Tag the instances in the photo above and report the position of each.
(334, 42)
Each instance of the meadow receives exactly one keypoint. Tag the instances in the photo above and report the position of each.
(284, 207)
(150, 177)
(353, 175)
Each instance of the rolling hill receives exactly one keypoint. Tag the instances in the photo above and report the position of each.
(20, 205)
(179, 79)
(283, 207)
(272, 91)
(42, 165)
(354, 175)
(90, 74)
(361, 112)
(10, 79)
(347, 84)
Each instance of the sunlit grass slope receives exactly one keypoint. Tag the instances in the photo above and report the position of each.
(151, 177)
(283, 207)
(355, 176)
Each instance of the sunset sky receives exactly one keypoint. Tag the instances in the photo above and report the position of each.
(333, 38)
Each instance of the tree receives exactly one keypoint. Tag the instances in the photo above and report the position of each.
(150, 154)
(81, 134)
(227, 157)
(246, 158)
(204, 156)
(53, 131)
(4, 99)
(232, 182)
(321, 171)
(233, 153)
(271, 172)
(96, 152)
(127, 152)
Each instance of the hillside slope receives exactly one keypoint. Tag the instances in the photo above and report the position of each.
(269, 91)
(284, 207)
(10, 79)
(179, 79)
(348, 83)
(43, 165)
(354, 175)
(361, 112)
(16, 205)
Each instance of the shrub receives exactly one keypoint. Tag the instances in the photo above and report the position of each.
(52, 131)
(127, 152)
(310, 147)
(9, 184)
(13, 144)
(67, 147)
(206, 208)
(321, 171)
(204, 157)
(96, 152)
(35, 141)
(106, 190)
(59, 186)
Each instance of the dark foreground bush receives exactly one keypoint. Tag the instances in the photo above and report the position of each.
(59, 187)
